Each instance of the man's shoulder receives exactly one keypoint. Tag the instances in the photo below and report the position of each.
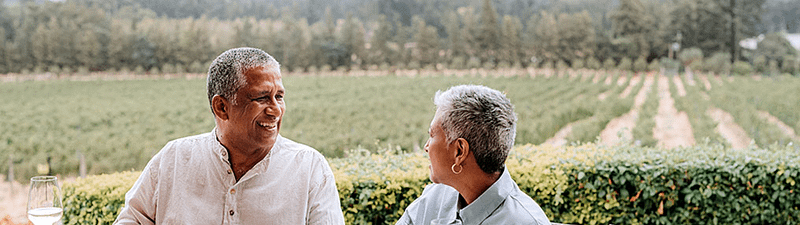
(291, 146)
(188, 144)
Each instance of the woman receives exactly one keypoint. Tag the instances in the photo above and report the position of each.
(470, 137)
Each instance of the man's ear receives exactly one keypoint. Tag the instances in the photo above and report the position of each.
(219, 106)
(462, 150)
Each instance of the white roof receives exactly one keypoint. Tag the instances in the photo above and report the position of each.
(752, 43)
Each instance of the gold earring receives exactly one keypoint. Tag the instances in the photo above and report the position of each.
(453, 168)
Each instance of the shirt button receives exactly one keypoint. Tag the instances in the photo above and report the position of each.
(229, 171)
(231, 212)
(233, 191)
(224, 153)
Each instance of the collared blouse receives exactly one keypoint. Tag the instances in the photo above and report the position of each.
(190, 182)
(502, 203)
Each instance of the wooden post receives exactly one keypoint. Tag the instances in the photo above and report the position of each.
(11, 174)
(82, 166)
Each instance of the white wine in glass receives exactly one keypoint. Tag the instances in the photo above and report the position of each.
(44, 200)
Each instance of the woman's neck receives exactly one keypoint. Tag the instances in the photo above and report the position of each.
(472, 185)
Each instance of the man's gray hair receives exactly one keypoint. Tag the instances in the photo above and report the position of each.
(226, 73)
(482, 116)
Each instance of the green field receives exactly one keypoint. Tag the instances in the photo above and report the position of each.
(119, 125)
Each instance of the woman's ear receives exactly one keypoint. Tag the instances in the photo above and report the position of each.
(219, 107)
(462, 150)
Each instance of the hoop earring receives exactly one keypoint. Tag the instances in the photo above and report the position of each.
(453, 168)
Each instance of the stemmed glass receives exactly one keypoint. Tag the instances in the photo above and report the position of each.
(44, 200)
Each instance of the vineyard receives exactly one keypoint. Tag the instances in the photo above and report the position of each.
(119, 124)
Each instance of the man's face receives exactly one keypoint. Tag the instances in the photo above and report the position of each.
(255, 117)
(439, 151)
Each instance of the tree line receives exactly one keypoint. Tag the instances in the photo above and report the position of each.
(183, 36)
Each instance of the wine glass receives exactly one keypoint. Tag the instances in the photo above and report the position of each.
(44, 200)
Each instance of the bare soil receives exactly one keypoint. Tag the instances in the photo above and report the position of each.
(705, 81)
(728, 128)
(679, 85)
(789, 131)
(634, 81)
(672, 127)
(13, 201)
(620, 128)
(560, 138)
(621, 80)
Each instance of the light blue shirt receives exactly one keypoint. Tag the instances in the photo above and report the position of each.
(502, 203)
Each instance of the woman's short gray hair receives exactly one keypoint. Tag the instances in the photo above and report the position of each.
(482, 116)
(226, 73)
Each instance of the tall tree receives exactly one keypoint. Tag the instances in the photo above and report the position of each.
(489, 35)
(546, 37)
(631, 24)
(352, 36)
(511, 41)
(379, 49)
(426, 42)
(716, 25)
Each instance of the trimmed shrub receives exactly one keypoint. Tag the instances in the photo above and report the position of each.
(561, 65)
(488, 65)
(547, 65)
(197, 67)
(473, 63)
(691, 57)
(609, 64)
(654, 65)
(625, 64)
(741, 68)
(154, 70)
(167, 68)
(457, 63)
(760, 63)
(586, 184)
(578, 64)
(719, 62)
(640, 65)
(96, 199)
(593, 63)
(503, 65)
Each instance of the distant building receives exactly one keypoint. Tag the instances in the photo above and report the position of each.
(752, 43)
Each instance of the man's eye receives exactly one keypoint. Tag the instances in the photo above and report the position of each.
(279, 97)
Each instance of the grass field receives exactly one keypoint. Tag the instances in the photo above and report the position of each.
(119, 125)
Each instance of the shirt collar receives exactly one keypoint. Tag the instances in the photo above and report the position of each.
(489, 201)
(222, 152)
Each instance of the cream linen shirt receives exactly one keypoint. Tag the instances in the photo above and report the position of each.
(503, 203)
(190, 182)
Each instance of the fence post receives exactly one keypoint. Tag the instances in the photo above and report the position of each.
(82, 166)
(11, 174)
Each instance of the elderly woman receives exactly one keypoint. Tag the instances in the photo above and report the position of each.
(470, 137)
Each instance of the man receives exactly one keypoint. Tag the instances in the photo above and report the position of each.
(243, 171)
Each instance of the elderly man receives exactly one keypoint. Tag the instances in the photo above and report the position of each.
(470, 137)
(243, 171)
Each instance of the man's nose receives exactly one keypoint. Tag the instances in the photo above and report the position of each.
(273, 108)
(427, 143)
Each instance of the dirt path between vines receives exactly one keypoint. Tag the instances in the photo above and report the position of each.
(789, 131)
(620, 128)
(728, 128)
(705, 81)
(679, 86)
(672, 127)
(634, 81)
(13, 201)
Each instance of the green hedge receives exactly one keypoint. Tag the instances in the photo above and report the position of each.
(587, 184)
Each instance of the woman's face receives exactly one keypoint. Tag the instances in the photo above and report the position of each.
(440, 153)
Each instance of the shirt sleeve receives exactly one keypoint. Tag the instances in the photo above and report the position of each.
(404, 220)
(140, 200)
(325, 207)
